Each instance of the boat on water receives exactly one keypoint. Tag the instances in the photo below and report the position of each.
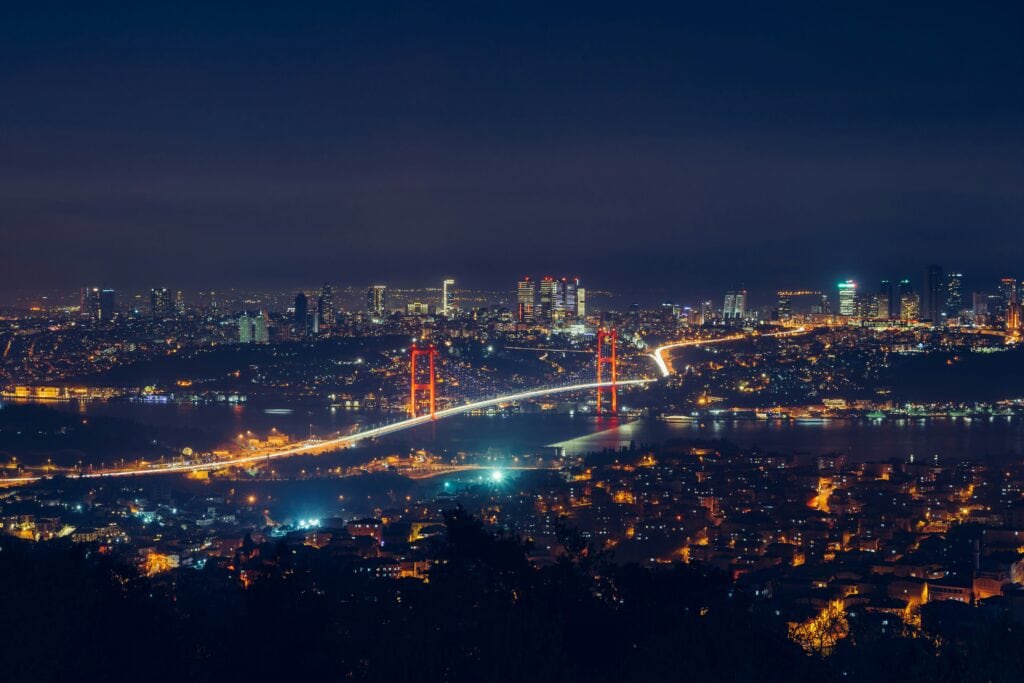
(677, 418)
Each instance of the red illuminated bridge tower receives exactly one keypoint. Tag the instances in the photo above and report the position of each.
(606, 356)
(416, 386)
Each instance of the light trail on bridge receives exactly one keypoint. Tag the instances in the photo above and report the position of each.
(314, 447)
(663, 366)
(549, 350)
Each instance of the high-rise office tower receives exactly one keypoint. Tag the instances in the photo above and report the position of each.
(784, 306)
(179, 303)
(910, 302)
(848, 298)
(979, 304)
(526, 297)
(910, 307)
(706, 314)
(581, 303)
(160, 305)
(880, 307)
(244, 329)
(260, 329)
(447, 297)
(325, 307)
(954, 302)
(1007, 293)
(377, 300)
(887, 296)
(550, 298)
(300, 316)
(567, 302)
(90, 303)
(1013, 312)
(735, 306)
(107, 304)
(934, 293)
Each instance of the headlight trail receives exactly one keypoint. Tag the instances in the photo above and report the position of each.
(663, 366)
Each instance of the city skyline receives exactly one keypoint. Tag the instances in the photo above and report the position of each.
(514, 342)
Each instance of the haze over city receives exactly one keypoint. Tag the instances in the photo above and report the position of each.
(512, 342)
(252, 144)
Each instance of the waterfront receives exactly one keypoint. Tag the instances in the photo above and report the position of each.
(860, 439)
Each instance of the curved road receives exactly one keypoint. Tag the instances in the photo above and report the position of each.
(666, 369)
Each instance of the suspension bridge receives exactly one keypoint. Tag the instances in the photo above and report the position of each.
(423, 408)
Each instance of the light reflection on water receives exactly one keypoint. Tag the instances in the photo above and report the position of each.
(860, 439)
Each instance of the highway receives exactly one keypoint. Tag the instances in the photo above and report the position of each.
(666, 369)
(321, 446)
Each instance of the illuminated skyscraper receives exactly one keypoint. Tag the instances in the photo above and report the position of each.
(910, 302)
(260, 330)
(107, 305)
(735, 307)
(244, 329)
(784, 307)
(935, 294)
(1007, 293)
(706, 314)
(377, 300)
(160, 305)
(300, 318)
(848, 298)
(525, 300)
(1013, 312)
(447, 297)
(550, 298)
(90, 303)
(954, 302)
(566, 305)
(888, 303)
(325, 307)
(98, 304)
(581, 303)
(179, 303)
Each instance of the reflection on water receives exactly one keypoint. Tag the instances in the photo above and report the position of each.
(860, 439)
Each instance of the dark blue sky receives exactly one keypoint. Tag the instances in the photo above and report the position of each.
(683, 146)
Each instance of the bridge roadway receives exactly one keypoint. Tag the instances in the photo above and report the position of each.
(327, 445)
(323, 446)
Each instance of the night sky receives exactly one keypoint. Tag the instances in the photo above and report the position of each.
(691, 147)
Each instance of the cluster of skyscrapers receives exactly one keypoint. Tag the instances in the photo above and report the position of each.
(942, 302)
(98, 304)
(317, 321)
(554, 301)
